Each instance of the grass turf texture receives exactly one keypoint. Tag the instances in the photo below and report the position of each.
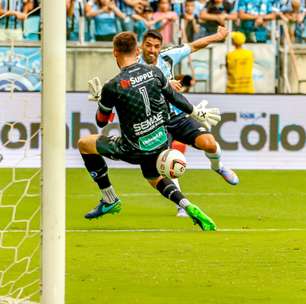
(180, 263)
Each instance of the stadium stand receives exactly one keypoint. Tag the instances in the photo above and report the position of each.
(278, 25)
(100, 20)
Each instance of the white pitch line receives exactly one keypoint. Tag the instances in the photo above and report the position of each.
(188, 230)
(142, 194)
(164, 230)
(214, 194)
(146, 194)
(260, 230)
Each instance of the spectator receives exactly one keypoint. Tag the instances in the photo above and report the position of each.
(191, 25)
(104, 13)
(215, 13)
(130, 8)
(15, 13)
(75, 11)
(169, 18)
(303, 26)
(294, 16)
(239, 66)
(144, 21)
(33, 4)
(31, 25)
(154, 5)
(282, 5)
(199, 6)
(254, 15)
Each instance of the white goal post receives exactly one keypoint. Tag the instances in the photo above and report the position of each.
(53, 150)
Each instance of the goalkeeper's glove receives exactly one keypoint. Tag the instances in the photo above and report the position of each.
(94, 88)
(208, 117)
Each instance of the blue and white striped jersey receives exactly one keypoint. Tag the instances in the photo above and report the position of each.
(167, 60)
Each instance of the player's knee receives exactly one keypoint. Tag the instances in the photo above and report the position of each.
(83, 145)
(206, 142)
(155, 181)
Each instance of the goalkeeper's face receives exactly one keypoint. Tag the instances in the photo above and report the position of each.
(150, 50)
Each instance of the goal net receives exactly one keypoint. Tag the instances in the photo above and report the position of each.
(19, 207)
(32, 214)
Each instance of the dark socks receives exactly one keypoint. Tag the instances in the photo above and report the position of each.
(97, 168)
(169, 190)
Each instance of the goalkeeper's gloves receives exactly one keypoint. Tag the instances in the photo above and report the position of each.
(208, 117)
(94, 88)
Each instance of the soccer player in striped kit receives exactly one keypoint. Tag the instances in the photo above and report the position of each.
(182, 127)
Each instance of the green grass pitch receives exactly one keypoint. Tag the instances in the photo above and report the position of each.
(147, 255)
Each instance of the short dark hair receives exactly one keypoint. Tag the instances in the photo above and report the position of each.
(125, 42)
(153, 34)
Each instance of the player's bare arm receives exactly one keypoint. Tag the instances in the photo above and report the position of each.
(201, 43)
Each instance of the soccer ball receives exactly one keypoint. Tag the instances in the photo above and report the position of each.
(171, 163)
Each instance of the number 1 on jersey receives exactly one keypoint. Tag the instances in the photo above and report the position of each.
(144, 93)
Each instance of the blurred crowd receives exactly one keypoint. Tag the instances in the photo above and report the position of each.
(177, 20)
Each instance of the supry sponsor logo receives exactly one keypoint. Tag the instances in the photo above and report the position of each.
(142, 78)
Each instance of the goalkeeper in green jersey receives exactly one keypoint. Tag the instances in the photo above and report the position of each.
(141, 95)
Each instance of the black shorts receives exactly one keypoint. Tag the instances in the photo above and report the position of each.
(185, 129)
(112, 147)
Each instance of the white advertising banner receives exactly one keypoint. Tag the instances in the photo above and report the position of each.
(256, 132)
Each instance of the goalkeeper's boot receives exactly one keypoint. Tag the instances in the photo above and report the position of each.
(104, 208)
(200, 218)
(229, 175)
